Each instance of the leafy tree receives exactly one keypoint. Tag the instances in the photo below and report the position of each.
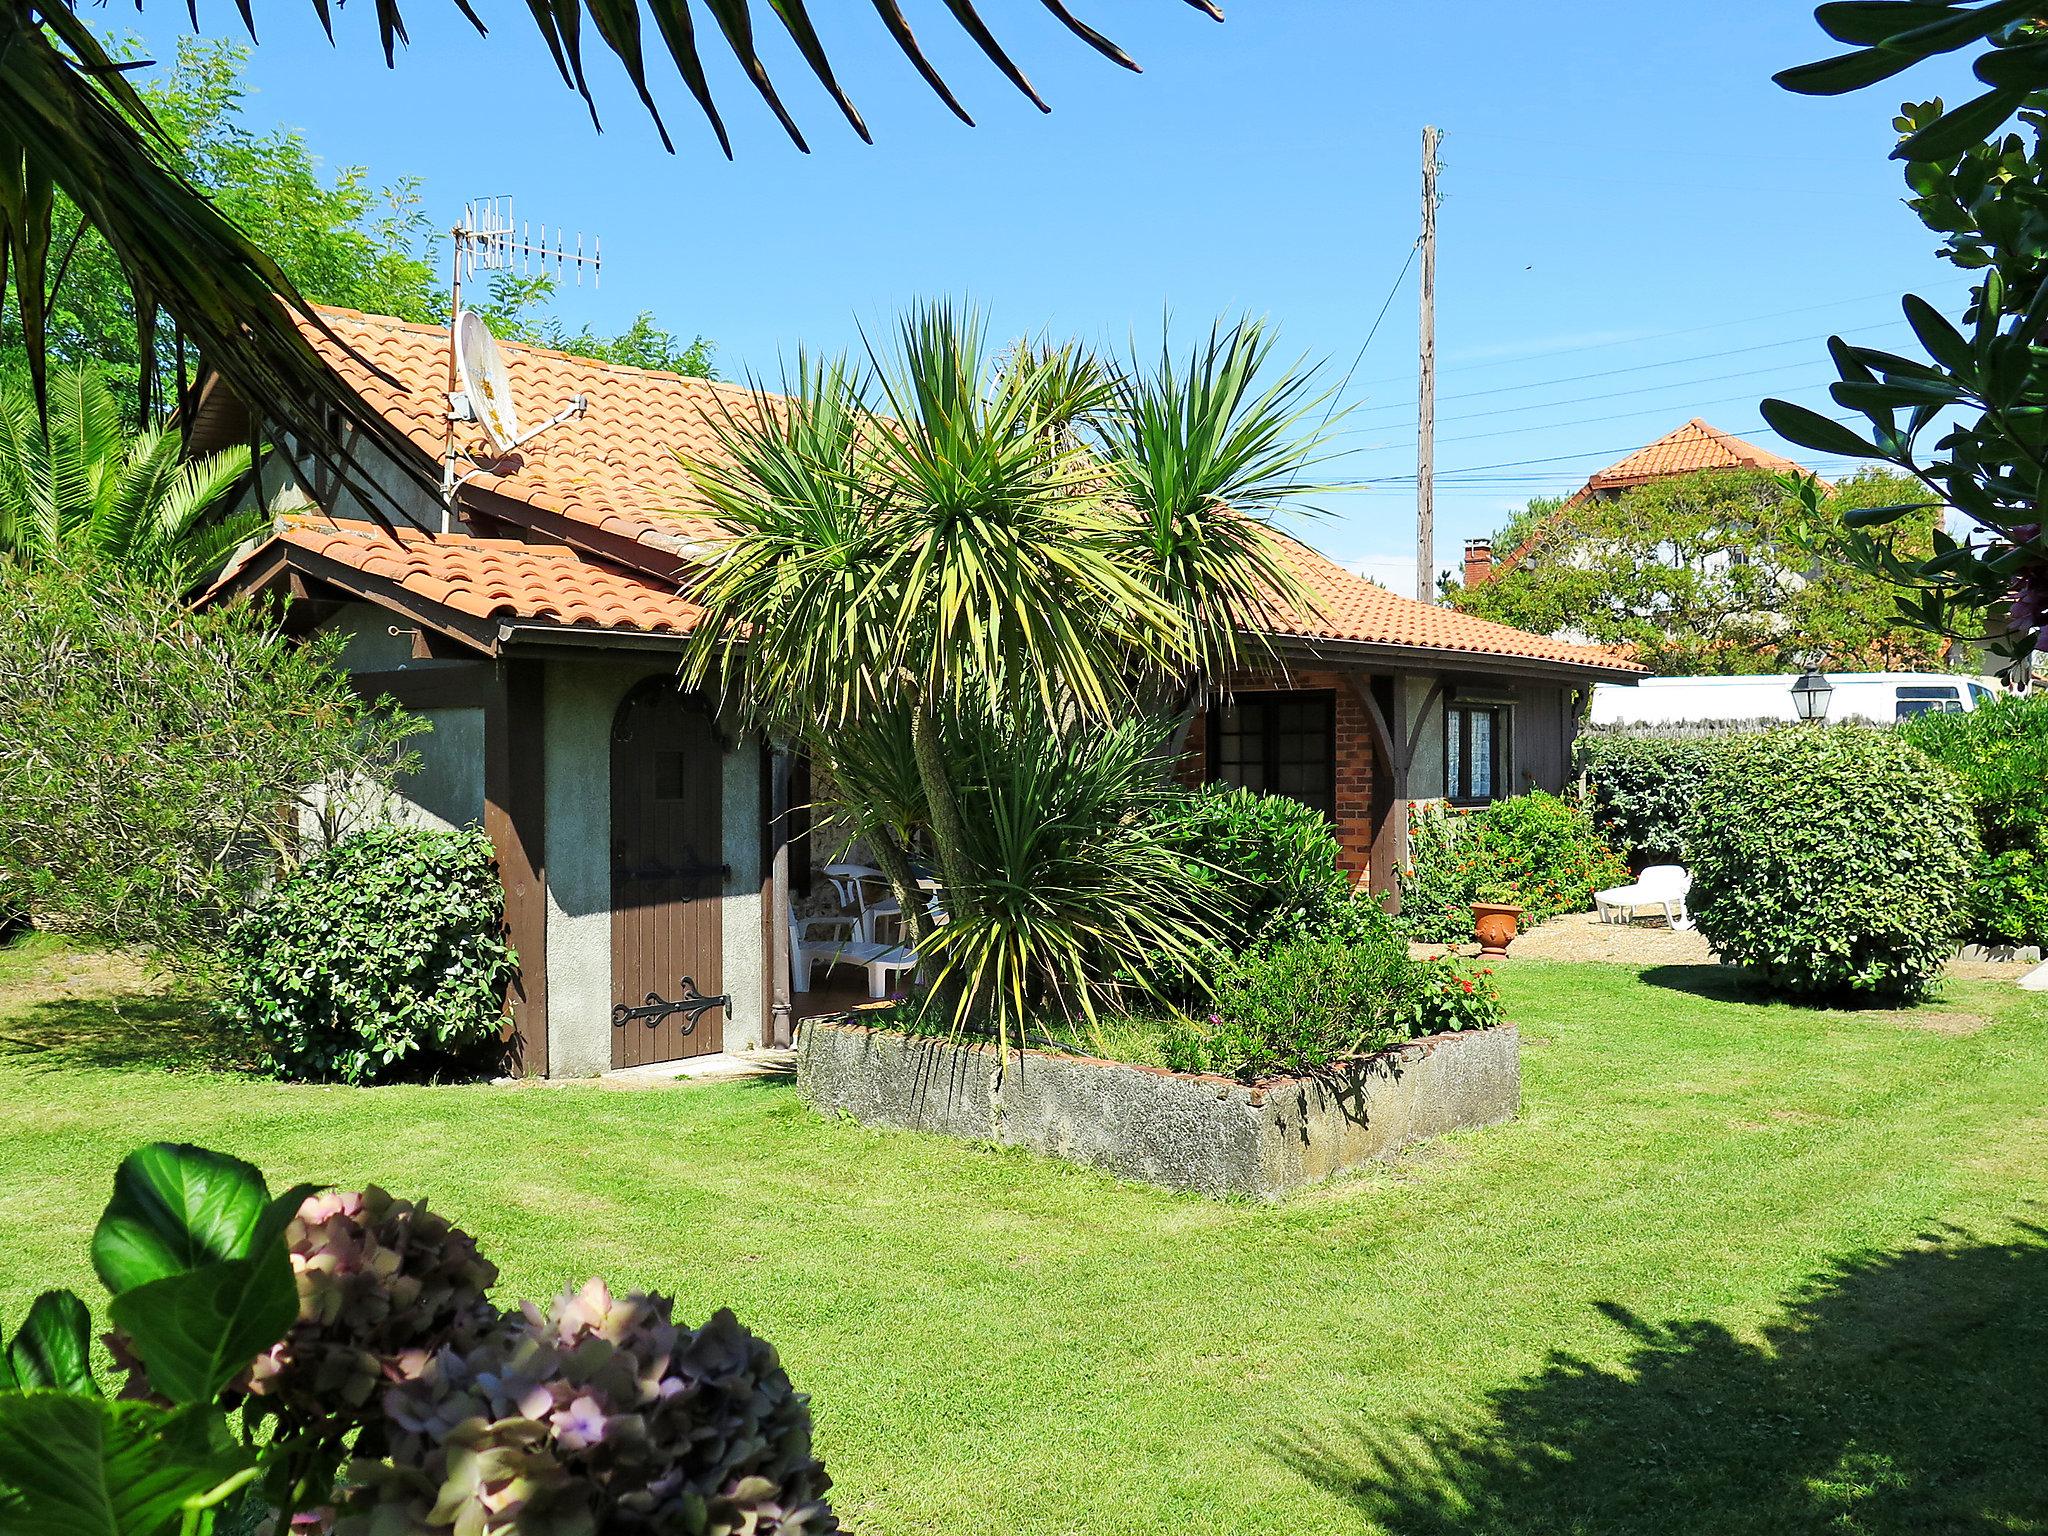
(71, 120)
(1724, 571)
(1979, 182)
(951, 536)
(159, 763)
(338, 237)
(76, 482)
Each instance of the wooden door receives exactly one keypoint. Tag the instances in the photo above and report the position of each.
(668, 875)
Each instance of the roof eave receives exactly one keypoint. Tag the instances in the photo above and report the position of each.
(1410, 657)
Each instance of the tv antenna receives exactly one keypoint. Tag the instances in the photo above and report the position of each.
(479, 388)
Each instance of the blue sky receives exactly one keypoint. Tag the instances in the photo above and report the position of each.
(1638, 227)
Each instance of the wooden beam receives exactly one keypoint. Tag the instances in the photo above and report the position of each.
(515, 818)
(1389, 791)
(776, 1026)
(1414, 735)
(452, 685)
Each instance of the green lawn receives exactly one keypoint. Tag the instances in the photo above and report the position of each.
(1737, 1268)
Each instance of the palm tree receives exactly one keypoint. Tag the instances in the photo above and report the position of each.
(69, 118)
(945, 536)
(74, 482)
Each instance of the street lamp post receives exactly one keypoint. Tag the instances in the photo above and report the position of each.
(1810, 695)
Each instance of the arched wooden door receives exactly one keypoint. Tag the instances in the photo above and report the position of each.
(668, 876)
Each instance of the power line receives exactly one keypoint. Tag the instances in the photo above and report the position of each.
(1558, 458)
(1388, 302)
(1672, 362)
(1630, 341)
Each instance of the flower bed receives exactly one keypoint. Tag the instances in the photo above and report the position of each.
(1183, 1130)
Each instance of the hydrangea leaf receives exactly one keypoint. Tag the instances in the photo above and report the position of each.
(53, 1349)
(176, 1208)
(83, 1466)
(196, 1332)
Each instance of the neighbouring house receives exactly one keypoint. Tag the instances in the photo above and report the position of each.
(1690, 449)
(641, 838)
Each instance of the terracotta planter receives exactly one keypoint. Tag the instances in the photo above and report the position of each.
(1496, 926)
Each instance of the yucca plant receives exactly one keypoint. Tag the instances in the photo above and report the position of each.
(78, 482)
(946, 530)
(1073, 900)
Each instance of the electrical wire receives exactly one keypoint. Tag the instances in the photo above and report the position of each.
(1630, 341)
(1672, 362)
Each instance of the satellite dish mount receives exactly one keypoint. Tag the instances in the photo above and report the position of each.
(479, 388)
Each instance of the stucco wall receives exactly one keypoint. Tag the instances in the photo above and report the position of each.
(581, 698)
(447, 789)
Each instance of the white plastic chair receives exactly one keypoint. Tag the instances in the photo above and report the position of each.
(890, 910)
(806, 951)
(1664, 886)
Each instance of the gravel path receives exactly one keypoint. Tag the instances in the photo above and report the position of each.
(1582, 936)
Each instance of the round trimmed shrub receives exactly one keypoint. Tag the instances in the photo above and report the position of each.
(1833, 861)
(385, 956)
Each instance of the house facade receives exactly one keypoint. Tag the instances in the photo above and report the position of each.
(651, 850)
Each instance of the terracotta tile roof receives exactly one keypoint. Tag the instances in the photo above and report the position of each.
(488, 579)
(1355, 609)
(615, 469)
(1691, 448)
(612, 468)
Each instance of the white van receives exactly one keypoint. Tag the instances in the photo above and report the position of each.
(1878, 697)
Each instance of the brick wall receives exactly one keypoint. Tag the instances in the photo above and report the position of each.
(1354, 752)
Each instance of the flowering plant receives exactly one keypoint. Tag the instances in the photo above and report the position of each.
(357, 1325)
(1450, 995)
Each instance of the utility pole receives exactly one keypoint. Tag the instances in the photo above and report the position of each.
(1425, 415)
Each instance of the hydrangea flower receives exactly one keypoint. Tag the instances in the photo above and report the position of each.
(597, 1413)
(382, 1282)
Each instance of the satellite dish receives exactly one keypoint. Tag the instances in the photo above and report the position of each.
(481, 367)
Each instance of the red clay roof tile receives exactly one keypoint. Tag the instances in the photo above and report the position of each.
(495, 578)
(616, 468)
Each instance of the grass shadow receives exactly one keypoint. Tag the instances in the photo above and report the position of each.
(1899, 1392)
(1714, 983)
(138, 1032)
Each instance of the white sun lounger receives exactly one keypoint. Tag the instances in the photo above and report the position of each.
(1664, 886)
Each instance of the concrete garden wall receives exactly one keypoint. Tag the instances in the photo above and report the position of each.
(1210, 1135)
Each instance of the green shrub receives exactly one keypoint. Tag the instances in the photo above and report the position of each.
(1834, 861)
(1440, 878)
(2009, 898)
(2001, 754)
(1256, 861)
(383, 956)
(1642, 788)
(1296, 1008)
(1450, 994)
(1540, 849)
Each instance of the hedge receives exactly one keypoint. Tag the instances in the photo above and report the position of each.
(1643, 788)
(2000, 751)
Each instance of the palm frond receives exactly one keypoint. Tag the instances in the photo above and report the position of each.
(1204, 452)
(74, 482)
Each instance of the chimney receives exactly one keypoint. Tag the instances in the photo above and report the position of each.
(1478, 562)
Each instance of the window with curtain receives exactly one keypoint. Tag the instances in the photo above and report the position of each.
(1279, 743)
(1475, 753)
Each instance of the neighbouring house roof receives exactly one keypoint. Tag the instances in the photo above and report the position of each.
(610, 482)
(1688, 450)
(478, 584)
